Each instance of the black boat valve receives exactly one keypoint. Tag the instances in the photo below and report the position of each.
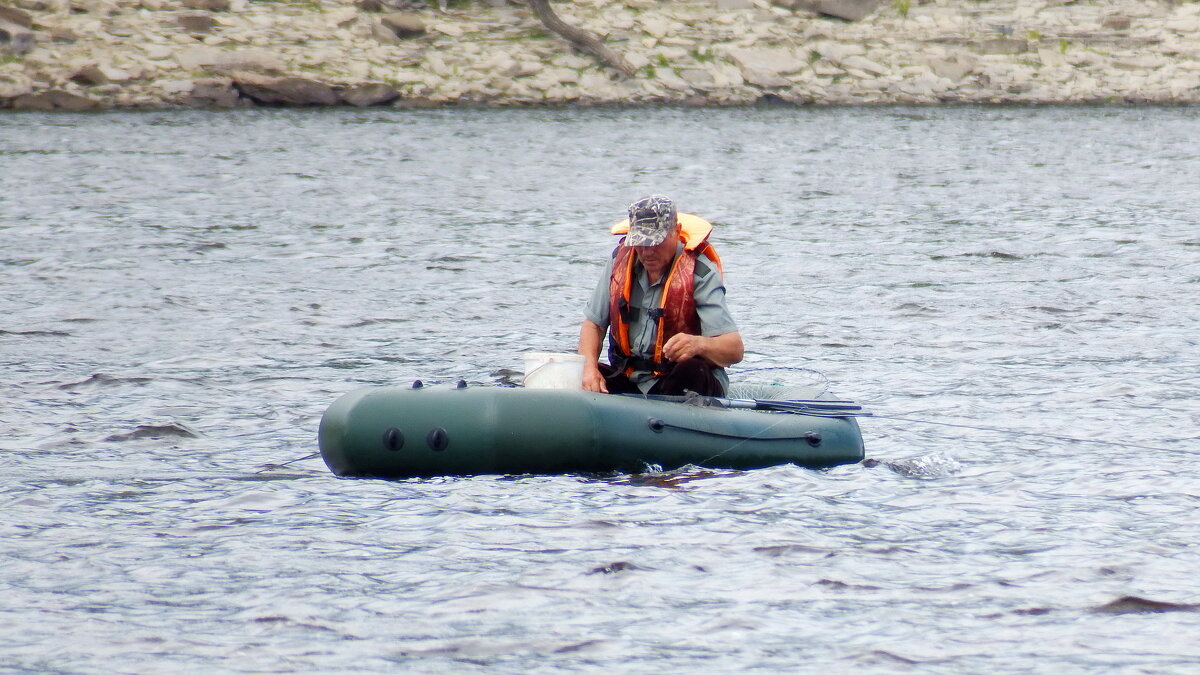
(417, 384)
(437, 439)
(393, 439)
(656, 425)
(813, 438)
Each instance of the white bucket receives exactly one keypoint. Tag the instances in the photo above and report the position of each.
(553, 371)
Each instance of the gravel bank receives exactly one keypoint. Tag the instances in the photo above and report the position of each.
(87, 54)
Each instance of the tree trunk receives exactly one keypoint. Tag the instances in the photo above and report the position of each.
(582, 39)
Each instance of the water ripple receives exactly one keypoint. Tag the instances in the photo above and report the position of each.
(1018, 283)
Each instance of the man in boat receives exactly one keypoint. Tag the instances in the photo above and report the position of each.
(662, 302)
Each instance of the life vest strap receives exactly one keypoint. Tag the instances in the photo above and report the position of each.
(629, 313)
(628, 364)
(651, 365)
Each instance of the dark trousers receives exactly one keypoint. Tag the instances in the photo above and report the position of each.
(694, 374)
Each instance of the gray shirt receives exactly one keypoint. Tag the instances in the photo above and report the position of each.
(709, 293)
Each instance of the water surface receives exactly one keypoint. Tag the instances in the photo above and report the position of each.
(1013, 291)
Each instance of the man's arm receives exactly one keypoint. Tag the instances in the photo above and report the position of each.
(591, 337)
(720, 350)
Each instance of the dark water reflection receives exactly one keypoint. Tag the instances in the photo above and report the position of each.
(184, 293)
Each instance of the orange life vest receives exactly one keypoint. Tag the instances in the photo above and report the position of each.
(676, 312)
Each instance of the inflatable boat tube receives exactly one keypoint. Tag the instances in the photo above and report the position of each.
(401, 432)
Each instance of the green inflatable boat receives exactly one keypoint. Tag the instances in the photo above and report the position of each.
(402, 432)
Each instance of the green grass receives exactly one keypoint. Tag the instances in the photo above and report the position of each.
(902, 7)
(6, 59)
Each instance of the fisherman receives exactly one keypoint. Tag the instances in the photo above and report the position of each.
(662, 302)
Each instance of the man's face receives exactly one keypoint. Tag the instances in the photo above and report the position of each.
(656, 258)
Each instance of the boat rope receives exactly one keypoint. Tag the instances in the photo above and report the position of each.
(1034, 434)
(735, 446)
(268, 467)
(977, 427)
(660, 424)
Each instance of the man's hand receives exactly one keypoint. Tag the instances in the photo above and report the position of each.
(591, 337)
(722, 350)
(682, 347)
(592, 379)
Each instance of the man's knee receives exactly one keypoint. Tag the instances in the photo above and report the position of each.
(694, 374)
(695, 365)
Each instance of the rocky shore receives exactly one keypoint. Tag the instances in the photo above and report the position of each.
(92, 54)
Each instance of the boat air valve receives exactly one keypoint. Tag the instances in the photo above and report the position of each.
(417, 384)
(656, 425)
(813, 438)
(393, 439)
(437, 439)
(462, 384)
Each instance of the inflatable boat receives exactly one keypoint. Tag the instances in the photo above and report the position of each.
(402, 432)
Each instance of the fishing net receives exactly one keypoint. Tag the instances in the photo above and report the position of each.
(777, 383)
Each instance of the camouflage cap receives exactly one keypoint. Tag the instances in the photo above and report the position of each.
(651, 220)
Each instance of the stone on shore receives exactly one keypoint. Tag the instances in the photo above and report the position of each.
(953, 68)
(197, 22)
(89, 75)
(225, 61)
(362, 95)
(384, 34)
(765, 66)
(54, 99)
(18, 17)
(1116, 22)
(296, 91)
(404, 24)
(1003, 46)
(13, 85)
(207, 5)
(15, 38)
(850, 10)
(215, 92)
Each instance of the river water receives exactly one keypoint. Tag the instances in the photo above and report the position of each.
(1012, 291)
